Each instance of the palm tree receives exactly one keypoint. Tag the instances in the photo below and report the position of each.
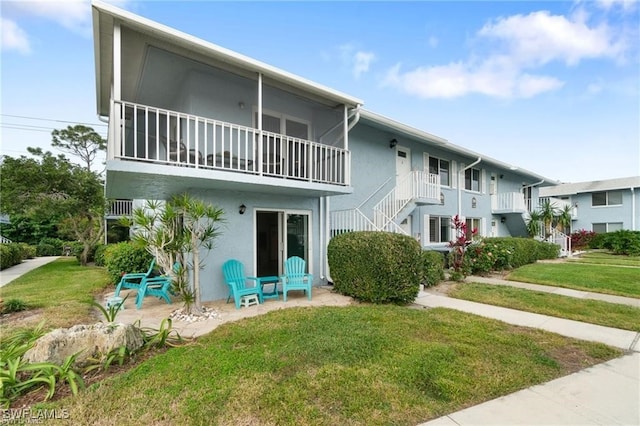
(548, 212)
(564, 219)
(533, 223)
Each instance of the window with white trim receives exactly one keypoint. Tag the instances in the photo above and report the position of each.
(601, 228)
(473, 223)
(606, 198)
(442, 168)
(472, 180)
(439, 229)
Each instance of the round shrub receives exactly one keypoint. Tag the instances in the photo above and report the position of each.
(623, 241)
(433, 267)
(582, 239)
(547, 250)
(49, 247)
(124, 258)
(376, 267)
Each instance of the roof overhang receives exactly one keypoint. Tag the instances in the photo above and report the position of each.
(388, 124)
(106, 15)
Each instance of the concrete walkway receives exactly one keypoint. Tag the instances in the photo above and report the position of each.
(10, 274)
(558, 290)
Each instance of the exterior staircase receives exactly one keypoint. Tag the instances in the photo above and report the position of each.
(413, 189)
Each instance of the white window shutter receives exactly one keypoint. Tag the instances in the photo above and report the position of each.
(483, 181)
(425, 162)
(427, 238)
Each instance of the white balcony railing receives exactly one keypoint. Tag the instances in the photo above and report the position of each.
(120, 208)
(145, 133)
(508, 202)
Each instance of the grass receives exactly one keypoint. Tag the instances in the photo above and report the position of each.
(606, 279)
(590, 311)
(60, 293)
(373, 365)
(605, 258)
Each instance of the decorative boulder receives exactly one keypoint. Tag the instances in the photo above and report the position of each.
(89, 340)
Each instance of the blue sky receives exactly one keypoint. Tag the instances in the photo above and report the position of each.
(552, 87)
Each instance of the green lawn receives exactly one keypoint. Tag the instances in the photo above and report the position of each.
(60, 290)
(581, 276)
(591, 311)
(605, 258)
(358, 365)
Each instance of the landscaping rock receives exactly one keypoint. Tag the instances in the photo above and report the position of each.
(89, 340)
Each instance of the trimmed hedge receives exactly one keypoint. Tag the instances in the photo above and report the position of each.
(124, 258)
(98, 255)
(10, 254)
(376, 267)
(500, 253)
(50, 247)
(623, 241)
(433, 264)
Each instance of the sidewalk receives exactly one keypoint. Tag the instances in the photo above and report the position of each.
(10, 274)
(558, 290)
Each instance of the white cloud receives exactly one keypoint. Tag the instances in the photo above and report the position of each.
(75, 15)
(518, 46)
(433, 41)
(14, 37)
(359, 61)
(539, 38)
(459, 79)
(626, 5)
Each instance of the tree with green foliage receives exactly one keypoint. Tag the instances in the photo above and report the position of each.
(533, 223)
(80, 141)
(169, 230)
(564, 219)
(50, 189)
(548, 212)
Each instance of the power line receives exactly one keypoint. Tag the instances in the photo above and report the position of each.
(54, 120)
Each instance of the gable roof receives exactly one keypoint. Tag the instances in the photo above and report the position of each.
(591, 186)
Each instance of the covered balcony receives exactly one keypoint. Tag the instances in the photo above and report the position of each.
(508, 202)
(171, 148)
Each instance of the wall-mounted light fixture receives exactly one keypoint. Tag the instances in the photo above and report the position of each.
(503, 219)
(393, 142)
(243, 209)
(442, 198)
(241, 105)
(501, 176)
(474, 203)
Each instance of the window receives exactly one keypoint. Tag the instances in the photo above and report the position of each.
(441, 168)
(472, 223)
(472, 180)
(601, 228)
(606, 198)
(439, 227)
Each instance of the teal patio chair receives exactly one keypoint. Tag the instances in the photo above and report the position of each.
(295, 277)
(159, 286)
(134, 280)
(234, 276)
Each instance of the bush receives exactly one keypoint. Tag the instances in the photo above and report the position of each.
(433, 267)
(98, 254)
(377, 267)
(50, 247)
(582, 239)
(13, 305)
(28, 251)
(10, 254)
(123, 258)
(620, 242)
(76, 250)
(547, 250)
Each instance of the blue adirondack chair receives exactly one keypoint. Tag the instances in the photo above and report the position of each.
(295, 277)
(160, 286)
(234, 276)
(134, 280)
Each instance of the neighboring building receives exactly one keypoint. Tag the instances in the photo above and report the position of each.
(291, 162)
(600, 206)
